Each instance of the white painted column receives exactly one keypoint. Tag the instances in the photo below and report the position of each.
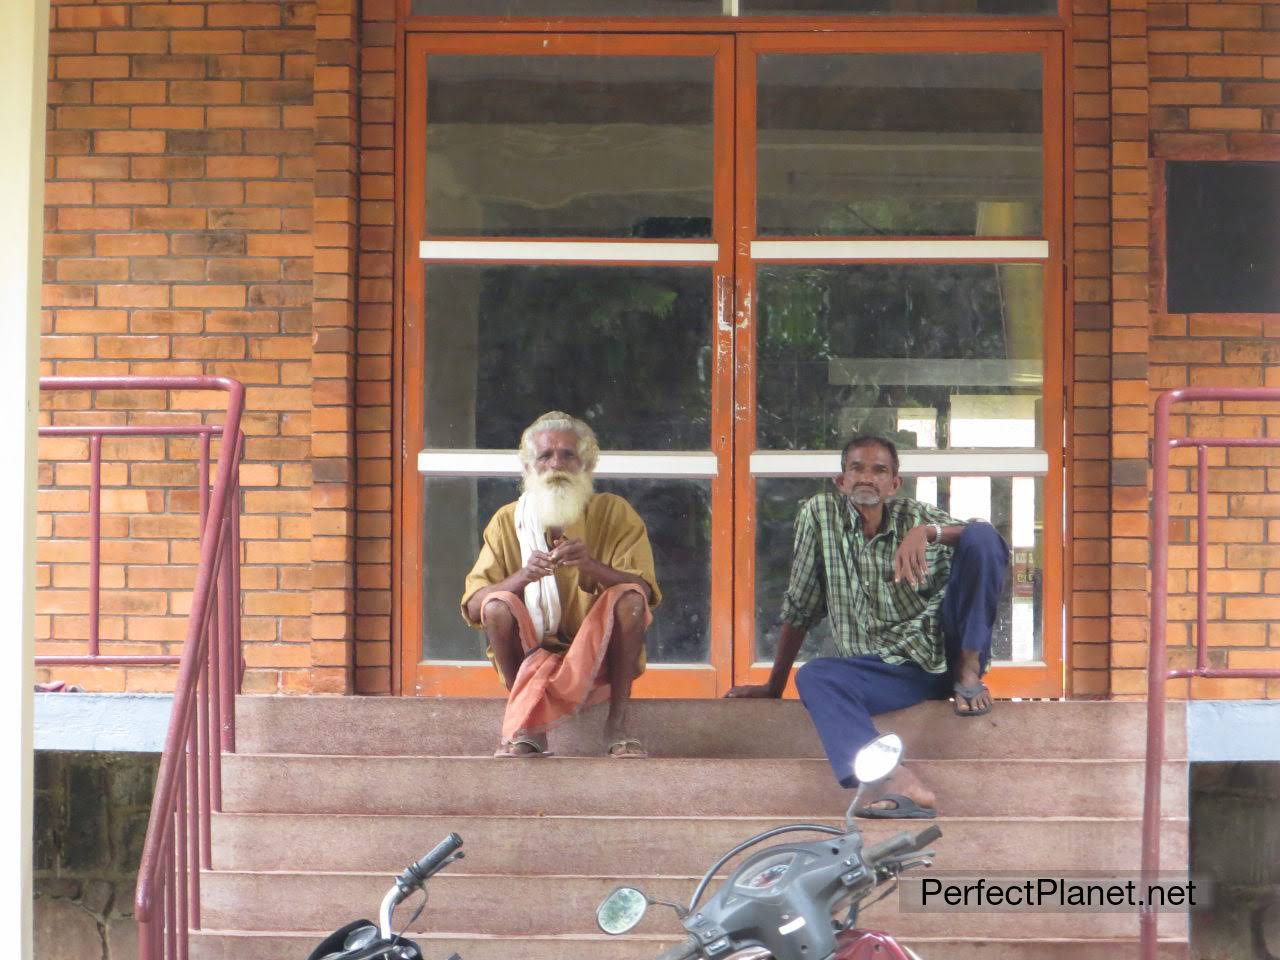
(24, 45)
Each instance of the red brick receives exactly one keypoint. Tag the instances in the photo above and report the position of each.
(1254, 41)
(1227, 15)
(167, 168)
(168, 15)
(244, 117)
(244, 15)
(209, 296)
(168, 218)
(166, 321)
(133, 295)
(1226, 118)
(207, 41)
(92, 118)
(131, 141)
(168, 67)
(1186, 93)
(240, 66)
(167, 118)
(92, 67)
(1225, 66)
(132, 41)
(68, 194)
(129, 91)
(128, 193)
(1186, 41)
(1254, 94)
(204, 91)
(92, 17)
(92, 218)
(70, 269)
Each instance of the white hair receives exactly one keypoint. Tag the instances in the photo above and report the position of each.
(588, 446)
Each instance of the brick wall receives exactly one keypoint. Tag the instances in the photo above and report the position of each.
(193, 146)
(1090, 496)
(179, 218)
(1215, 94)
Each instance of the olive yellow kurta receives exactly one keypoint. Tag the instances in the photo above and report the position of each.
(614, 535)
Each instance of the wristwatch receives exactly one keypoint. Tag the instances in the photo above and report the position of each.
(937, 533)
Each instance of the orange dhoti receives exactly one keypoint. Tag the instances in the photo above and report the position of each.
(551, 687)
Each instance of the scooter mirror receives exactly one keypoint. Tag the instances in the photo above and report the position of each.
(621, 910)
(878, 759)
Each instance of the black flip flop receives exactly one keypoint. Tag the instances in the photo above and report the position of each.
(904, 809)
(969, 694)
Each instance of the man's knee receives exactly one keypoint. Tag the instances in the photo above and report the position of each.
(497, 617)
(984, 542)
(630, 610)
(812, 675)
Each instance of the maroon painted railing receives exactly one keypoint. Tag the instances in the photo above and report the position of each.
(1158, 672)
(210, 667)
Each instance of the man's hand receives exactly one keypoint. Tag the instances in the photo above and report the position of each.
(571, 553)
(754, 691)
(540, 565)
(909, 562)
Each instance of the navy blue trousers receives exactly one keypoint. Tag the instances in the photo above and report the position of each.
(842, 694)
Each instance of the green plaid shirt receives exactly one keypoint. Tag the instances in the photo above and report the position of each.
(836, 571)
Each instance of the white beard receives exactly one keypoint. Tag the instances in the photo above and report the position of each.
(560, 499)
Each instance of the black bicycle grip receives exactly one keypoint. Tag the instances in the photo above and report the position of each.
(432, 861)
(887, 848)
(926, 837)
(686, 948)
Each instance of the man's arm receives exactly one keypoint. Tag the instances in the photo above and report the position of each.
(910, 562)
(513, 584)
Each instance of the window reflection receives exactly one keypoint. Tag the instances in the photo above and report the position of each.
(625, 348)
(569, 146)
(844, 348)
(946, 144)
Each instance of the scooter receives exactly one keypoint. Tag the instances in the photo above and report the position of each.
(783, 901)
(361, 940)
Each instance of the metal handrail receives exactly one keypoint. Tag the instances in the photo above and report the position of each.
(210, 667)
(1158, 672)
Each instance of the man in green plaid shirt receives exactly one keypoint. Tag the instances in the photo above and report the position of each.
(912, 595)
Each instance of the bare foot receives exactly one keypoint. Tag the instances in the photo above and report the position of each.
(906, 783)
(529, 746)
(969, 674)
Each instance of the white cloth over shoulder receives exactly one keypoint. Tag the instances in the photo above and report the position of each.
(542, 597)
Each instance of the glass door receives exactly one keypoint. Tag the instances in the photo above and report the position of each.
(899, 272)
(729, 254)
(568, 246)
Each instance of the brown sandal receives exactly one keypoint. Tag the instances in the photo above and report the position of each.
(627, 748)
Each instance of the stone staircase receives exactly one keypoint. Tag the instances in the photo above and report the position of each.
(327, 798)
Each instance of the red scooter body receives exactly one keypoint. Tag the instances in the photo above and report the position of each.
(869, 945)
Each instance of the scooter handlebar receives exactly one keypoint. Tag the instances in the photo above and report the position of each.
(432, 862)
(681, 951)
(900, 843)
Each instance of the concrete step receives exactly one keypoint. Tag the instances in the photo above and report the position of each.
(555, 905)
(241, 945)
(790, 789)
(681, 845)
(698, 728)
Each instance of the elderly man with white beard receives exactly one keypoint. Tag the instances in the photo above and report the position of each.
(563, 589)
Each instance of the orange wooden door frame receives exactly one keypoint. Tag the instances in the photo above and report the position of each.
(1042, 679)
(732, 331)
(434, 678)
